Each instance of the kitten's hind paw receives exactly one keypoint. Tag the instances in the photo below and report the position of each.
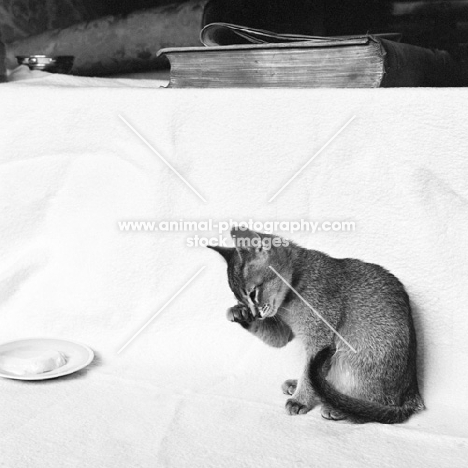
(294, 407)
(289, 387)
(332, 414)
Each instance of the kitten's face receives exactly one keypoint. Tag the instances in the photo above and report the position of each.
(252, 281)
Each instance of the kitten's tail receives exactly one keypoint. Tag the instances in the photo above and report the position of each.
(359, 411)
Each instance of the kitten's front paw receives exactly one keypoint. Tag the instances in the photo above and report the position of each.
(289, 387)
(240, 314)
(294, 407)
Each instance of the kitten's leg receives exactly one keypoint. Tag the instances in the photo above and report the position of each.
(289, 387)
(303, 399)
(272, 331)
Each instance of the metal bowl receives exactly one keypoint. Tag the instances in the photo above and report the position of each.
(59, 64)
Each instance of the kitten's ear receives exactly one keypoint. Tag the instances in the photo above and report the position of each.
(226, 252)
(246, 239)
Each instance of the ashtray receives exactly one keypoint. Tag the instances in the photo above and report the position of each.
(59, 64)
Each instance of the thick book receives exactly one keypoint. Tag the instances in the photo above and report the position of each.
(258, 58)
(218, 34)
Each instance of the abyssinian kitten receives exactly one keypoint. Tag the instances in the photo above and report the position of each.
(375, 381)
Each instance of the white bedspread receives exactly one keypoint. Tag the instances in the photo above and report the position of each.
(193, 390)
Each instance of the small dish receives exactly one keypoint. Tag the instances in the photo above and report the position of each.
(60, 64)
(78, 356)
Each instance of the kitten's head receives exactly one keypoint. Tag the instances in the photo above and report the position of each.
(250, 277)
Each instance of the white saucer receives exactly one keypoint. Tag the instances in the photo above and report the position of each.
(78, 356)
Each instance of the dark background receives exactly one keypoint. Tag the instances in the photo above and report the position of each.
(439, 24)
(430, 23)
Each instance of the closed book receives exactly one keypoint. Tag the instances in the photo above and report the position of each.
(265, 59)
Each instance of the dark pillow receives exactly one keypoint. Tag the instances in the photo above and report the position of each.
(23, 18)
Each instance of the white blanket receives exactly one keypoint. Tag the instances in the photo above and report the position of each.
(193, 389)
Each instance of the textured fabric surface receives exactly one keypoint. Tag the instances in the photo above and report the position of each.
(193, 389)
